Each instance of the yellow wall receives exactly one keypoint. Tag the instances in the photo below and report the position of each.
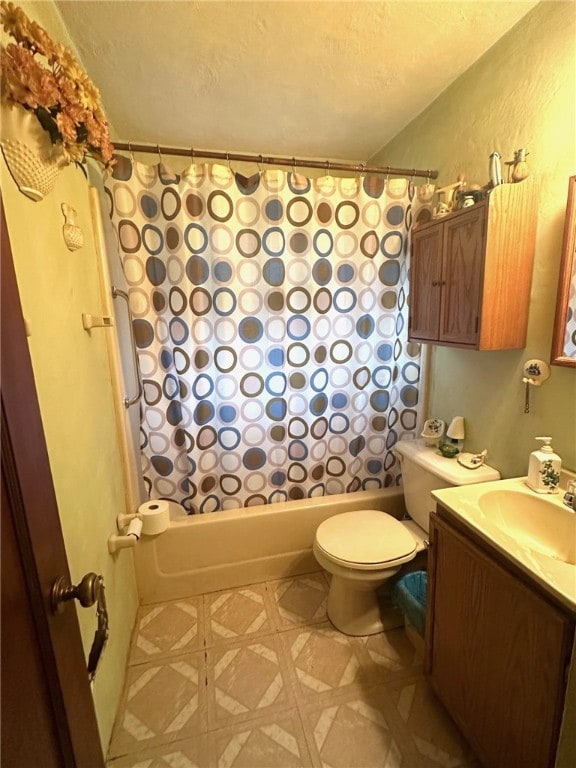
(521, 93)
(73, 382)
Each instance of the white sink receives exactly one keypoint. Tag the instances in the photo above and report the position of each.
(535, 530)
(534, 521)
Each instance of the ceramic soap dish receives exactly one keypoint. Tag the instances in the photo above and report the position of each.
(472, 460)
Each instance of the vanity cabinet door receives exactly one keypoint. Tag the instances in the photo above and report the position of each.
(496, 653)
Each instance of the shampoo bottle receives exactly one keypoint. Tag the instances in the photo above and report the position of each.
(544, 468)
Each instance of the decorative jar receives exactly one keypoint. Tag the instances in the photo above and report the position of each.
(32, 159)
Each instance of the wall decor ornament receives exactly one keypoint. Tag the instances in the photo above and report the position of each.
(73, 235)
(52, 114)
(32, 159)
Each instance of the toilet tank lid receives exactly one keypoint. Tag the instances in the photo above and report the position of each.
(447, 469)
(365, 536)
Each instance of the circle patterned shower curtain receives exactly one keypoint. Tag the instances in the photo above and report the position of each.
(270, 315)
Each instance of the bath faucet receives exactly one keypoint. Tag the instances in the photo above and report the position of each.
(570, 495)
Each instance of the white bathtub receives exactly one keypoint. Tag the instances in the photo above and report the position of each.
(205, 553)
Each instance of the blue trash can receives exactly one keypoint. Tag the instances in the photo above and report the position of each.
(409, 594)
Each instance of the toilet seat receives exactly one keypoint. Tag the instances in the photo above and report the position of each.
(365, 539)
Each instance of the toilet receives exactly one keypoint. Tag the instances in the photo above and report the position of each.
(363, 549)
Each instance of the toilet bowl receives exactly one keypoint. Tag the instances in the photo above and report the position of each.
(363, 549)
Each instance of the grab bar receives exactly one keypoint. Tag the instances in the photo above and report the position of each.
(128, 401)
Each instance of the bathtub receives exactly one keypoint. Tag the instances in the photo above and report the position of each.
(220, 550)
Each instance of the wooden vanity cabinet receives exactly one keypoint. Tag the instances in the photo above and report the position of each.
(471, 272)
(497, 650)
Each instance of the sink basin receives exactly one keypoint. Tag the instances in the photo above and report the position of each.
(535, 522)
(536, 531)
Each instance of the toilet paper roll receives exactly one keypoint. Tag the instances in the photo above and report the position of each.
(155, 516)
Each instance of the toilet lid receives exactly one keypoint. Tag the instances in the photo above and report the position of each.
(365, 536)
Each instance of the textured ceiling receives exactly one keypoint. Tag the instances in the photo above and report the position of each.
(312, 79)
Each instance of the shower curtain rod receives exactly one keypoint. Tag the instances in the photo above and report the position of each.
(327, 165)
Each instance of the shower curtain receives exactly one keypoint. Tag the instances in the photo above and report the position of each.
(270, 316)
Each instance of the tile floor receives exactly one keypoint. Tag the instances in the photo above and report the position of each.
(257, 677)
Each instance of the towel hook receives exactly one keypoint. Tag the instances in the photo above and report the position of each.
(260, 165)
(159, 153)
(293, 166)
(387, 175)
(328, 165)
(131, 153)
(192, 153)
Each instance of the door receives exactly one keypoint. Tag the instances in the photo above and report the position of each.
(462, 271)
(497, 654)
(425, 283)
(47, 710)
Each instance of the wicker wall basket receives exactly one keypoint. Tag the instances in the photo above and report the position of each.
(31, 157)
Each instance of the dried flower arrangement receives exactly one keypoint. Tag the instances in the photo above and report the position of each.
(45, 78)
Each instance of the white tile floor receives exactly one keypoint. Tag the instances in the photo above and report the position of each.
(257, 677)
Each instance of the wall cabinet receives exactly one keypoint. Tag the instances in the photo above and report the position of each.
(497, 650)
(471, 272)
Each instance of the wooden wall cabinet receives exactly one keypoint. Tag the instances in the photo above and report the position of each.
(471, 272)
(497, 650)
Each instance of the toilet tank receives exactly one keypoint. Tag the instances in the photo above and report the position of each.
(425, 470)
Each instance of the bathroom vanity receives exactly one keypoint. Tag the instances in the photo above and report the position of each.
(471, 272)
(500, 625)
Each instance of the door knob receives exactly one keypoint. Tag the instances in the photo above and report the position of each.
(87, 592)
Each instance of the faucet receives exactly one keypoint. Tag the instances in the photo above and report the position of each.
(570, 495)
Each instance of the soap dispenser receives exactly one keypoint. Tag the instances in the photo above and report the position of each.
(544, 468)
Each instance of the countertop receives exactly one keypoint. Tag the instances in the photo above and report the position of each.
(554, 575)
